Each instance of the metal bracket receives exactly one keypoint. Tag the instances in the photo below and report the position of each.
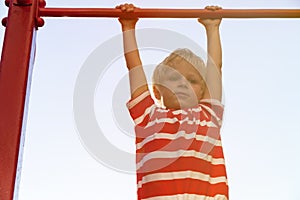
(23, 3)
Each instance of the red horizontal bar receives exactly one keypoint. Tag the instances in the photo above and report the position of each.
(170, 13)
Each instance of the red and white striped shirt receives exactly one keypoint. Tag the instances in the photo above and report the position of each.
(179, 152)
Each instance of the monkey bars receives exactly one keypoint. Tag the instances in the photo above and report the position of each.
(17, 59)
(170, 13)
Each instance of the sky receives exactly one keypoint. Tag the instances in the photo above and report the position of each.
(80, 79)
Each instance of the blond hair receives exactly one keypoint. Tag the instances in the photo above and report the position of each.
(175, 57)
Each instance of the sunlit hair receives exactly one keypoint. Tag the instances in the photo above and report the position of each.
(174, 58)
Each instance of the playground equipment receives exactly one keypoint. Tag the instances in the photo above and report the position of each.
(24, 18)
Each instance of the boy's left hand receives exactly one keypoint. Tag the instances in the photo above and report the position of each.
(211, 22)
(127, 23)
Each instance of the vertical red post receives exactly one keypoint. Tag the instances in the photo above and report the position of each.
(15, 67)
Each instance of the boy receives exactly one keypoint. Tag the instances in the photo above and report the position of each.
(178, 149)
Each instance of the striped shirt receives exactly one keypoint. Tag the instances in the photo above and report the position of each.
(178, 152)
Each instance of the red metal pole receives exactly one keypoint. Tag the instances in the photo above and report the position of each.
(16, 64)
(170, 13)
(24, 2)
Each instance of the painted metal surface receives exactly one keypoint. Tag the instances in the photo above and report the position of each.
(15, 67)
(170, 13)
(17, 64)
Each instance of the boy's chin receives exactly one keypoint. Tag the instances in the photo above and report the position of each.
(183, 105)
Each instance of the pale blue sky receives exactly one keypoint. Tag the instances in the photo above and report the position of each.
(260, 130)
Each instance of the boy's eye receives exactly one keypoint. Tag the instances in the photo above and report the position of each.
(192, 80)
(173, 78)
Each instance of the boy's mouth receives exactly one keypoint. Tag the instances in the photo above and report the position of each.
(181, 94)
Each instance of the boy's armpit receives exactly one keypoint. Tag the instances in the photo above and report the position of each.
(214, 108)
(134, 101)
(140, 108)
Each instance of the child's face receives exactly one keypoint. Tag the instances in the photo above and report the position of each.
(182, 86)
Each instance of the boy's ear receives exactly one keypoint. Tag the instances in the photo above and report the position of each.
(156, 92)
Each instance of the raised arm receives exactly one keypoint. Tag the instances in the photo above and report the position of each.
(137, 78)
(214, 62)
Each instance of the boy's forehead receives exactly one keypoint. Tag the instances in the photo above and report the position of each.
(182, 66)
(181, 72)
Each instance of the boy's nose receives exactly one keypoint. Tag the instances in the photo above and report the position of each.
(182, 82)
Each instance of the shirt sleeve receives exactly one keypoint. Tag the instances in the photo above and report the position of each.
(140, 108)
(214, 109)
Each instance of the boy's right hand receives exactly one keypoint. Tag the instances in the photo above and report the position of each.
(127, 23)
(208, 23)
